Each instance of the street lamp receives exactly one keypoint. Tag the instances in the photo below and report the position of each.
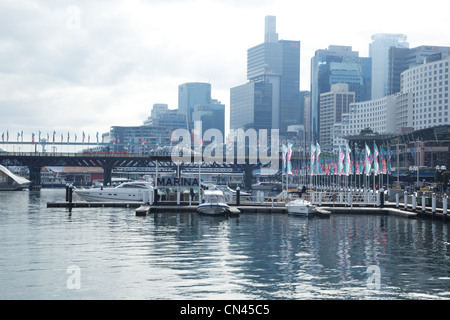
(440, 169)
(415, 168)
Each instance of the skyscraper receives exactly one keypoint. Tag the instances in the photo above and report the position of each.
(276, 64)
(401, 59)
(332, 105)
(192, 94)
(337, 64)
(379, 52)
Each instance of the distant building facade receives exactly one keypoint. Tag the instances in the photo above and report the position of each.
(338, 64)
(401, 59)
(332, 105)
(429, 85)
(273, 69)
(379, 52)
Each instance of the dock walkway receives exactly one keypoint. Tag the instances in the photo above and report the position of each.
(325, 210)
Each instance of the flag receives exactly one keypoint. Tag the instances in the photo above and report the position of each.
(357, 167)
(284, 153)
(340, 167)
(389, 160)
(368, 160)
(347, 159)
(313, 153)
(288, 158)
(317, 156)
(376, 167)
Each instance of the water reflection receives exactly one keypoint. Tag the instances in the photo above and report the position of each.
(186, 255)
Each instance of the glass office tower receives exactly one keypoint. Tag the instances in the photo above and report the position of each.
(192, 94)
(379, 52)
(337, 64)
(275, 62)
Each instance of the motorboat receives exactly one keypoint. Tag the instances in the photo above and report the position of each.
(134, 191)
(214, 203)
(10, 181)
(300, 207)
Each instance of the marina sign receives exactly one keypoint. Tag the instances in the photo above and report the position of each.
(177, 182)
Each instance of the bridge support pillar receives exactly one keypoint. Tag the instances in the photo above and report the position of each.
(107, 173)
(35, 178)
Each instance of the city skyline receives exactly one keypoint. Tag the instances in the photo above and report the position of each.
(80, 66)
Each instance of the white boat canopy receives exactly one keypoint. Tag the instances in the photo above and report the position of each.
(19, 180)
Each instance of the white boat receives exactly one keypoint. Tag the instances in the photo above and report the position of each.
(214, 203)
(10, 181)
(300, 207)
(134, 191)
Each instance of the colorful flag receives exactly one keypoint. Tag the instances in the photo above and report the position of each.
(313, 154)
(288, 158)
(340, 167)
(347, 159)
(368, 160)
(376, 167)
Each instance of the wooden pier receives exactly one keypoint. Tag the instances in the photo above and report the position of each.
(323, 211)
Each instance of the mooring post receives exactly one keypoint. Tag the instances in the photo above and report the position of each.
(414, 201)
(397, 199)
(423, 203)
(444, 204)
(433, 203)
(406, 200)
(67, 192)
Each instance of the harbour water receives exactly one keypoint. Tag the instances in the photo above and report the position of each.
(110, 253)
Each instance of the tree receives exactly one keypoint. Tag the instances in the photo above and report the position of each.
(367, 131)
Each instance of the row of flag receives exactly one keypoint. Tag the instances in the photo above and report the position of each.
(5, 138)
(345, 163)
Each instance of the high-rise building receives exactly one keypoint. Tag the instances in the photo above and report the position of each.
(332, 105)
(251, 106)
(379, 52)
(429, 85)
(275, 62)
(192, 94)
(212, 116)
(337, 64)
(401, 59)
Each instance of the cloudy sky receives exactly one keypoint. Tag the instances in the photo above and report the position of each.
(79, 65)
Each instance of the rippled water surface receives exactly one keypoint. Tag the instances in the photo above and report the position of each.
(109, 253)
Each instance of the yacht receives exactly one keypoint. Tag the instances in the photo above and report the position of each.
(134, 191)
(214, 203)
(10, 181)
(301, 207)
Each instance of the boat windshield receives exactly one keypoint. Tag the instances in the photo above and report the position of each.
(133, 186)
(214, 198)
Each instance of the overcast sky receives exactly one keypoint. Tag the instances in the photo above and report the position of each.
(79, 65)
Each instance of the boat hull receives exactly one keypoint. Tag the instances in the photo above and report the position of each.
(301, 209)
(213, 209)
(111, 196)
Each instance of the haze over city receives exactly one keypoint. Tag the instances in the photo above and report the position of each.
(75, 66)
